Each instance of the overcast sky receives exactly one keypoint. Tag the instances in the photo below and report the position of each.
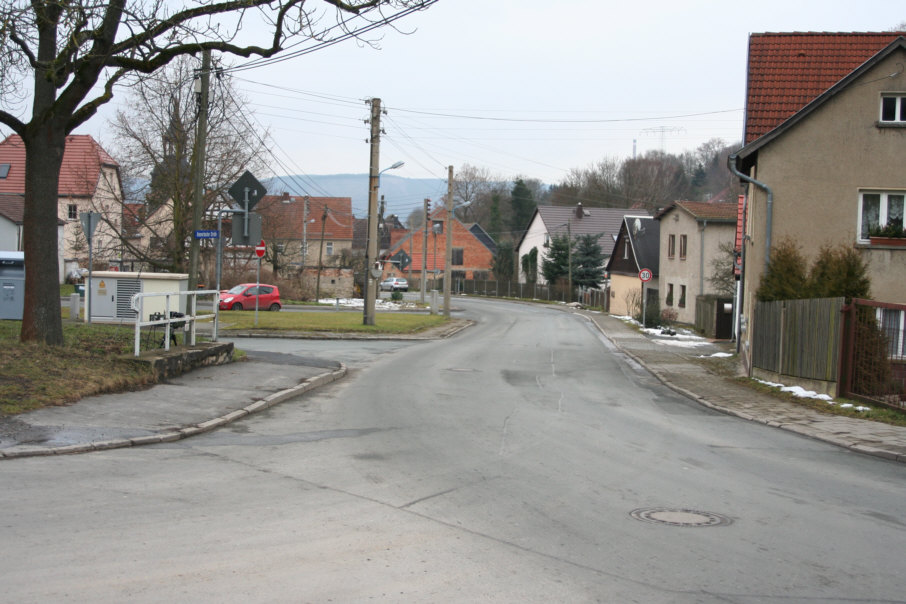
(528, 87)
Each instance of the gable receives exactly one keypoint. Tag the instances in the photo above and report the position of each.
(787, 71)
(288, 216)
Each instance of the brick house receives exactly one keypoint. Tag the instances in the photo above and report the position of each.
(89, 182)
(825, 137)
(472, 258)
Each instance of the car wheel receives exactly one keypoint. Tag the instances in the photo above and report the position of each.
(274, 307)
(237, 306)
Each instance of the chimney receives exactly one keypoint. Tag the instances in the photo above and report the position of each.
(579, 211)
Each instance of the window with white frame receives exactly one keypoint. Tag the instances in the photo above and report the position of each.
(877, 209)
(893, 109)
(671, 246)
(328, 248)
(682, 247)
(893, 324)
(73, 211)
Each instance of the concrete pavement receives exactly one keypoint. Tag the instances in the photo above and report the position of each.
(679, 369)
(211, 397)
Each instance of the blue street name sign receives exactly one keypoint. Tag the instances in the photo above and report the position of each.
(207, 234)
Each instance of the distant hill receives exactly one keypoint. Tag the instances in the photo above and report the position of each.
(399, 192)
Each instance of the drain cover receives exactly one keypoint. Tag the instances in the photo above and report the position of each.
(674, 517)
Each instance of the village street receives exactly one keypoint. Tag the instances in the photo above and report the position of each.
(522, 460)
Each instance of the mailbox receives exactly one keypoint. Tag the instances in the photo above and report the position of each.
(12, 285)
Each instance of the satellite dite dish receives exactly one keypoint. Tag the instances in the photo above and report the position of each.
(636, 226)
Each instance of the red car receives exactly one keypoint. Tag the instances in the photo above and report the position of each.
(243, 297)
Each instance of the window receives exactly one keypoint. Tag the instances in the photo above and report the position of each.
(671, 246)
(682, 247)
(669, 299)
(682, 295)
(328, 248)
(893, 109)
(879, 209)
(4, 170)
(625, 250)
(73, 211)
(457, 256)
(893, 326)
(547, 240)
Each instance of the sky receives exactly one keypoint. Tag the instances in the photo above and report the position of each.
(529, 88)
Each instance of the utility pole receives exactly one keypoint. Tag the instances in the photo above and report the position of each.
(305, 232)
(425, 250)
(320, 256)
(201, 137)
(569, 259)
(371, 243)
(448, 235)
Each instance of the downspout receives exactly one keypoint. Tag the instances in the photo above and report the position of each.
(731, 163)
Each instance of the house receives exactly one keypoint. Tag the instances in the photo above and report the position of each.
(301, 230)
(549, 221)
(636, 249)
(691, 236)
(825, 137)
(473, 257)
(12, 208)
(89, 182)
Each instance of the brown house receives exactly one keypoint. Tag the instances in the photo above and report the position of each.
(825, 137)
(473, 258)
(299, 230)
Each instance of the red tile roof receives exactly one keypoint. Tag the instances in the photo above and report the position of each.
(284, 216)
(788, 70)
(704, 210)
(79, 174)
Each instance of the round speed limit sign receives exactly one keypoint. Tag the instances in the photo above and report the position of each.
(645, 275)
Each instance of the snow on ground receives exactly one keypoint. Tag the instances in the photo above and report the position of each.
(803, 393)
(379, 304)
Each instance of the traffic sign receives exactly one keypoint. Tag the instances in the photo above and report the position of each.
(645, 275)
(247, 191)
(206, 234)
(259, 249)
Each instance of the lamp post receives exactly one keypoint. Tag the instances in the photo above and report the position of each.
(372, 272)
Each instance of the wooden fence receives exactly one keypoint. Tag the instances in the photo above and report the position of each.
(799, 338)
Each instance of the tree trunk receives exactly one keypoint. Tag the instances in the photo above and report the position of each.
(41, 320)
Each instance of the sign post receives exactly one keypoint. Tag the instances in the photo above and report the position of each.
(645, 276)
(259, 251)
(90, 222)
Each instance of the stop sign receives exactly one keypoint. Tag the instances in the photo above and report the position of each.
(259, 249)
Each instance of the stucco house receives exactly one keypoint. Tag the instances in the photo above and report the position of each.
(691, 236)
(636, 248)
(550, 221)
(89, 182)
(825, 137)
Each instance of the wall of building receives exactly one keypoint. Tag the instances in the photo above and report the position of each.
(817, 170)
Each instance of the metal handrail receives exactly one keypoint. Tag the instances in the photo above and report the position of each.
(137, 304)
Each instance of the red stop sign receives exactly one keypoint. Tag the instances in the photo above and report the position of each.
(259, 249)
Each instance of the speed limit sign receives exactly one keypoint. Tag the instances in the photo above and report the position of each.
(645, 275)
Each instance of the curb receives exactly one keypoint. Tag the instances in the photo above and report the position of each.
(174, 435)
(807, 431)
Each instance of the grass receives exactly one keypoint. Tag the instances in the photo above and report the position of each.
(333, 322)
(93, 360)
(96, 358)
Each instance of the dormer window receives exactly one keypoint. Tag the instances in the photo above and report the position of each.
(893, 109)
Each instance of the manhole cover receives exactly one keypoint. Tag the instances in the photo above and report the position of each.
(674, 517)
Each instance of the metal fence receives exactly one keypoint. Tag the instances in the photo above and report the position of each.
(798, 338)
(526, 291)
(875, 353)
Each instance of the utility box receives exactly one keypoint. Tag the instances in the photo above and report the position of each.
(12, 285)
(111, 294)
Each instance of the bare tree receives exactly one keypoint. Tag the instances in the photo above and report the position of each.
(155, 144)
(76, 52)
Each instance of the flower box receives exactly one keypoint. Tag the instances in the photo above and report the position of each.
(888, 241)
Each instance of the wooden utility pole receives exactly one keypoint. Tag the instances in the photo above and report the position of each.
(371, 244)
(320, 256)
(201, 137)
(448, 235)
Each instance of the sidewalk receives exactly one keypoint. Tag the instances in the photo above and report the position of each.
(677, 368)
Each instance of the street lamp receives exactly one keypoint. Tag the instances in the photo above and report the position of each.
(372, 271)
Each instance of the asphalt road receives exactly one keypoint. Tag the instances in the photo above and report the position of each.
(523, 460)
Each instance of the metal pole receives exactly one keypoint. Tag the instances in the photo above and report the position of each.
(257, 289)
(425, 252)
(448, 256)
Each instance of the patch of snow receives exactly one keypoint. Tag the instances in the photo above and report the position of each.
(803, 393)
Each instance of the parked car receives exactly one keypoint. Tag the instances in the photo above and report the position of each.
(243, 297)
(394, 284)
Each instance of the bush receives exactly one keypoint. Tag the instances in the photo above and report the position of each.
(837, 272)
(396, 295)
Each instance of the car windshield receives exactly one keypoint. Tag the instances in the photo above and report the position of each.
(236, 290)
